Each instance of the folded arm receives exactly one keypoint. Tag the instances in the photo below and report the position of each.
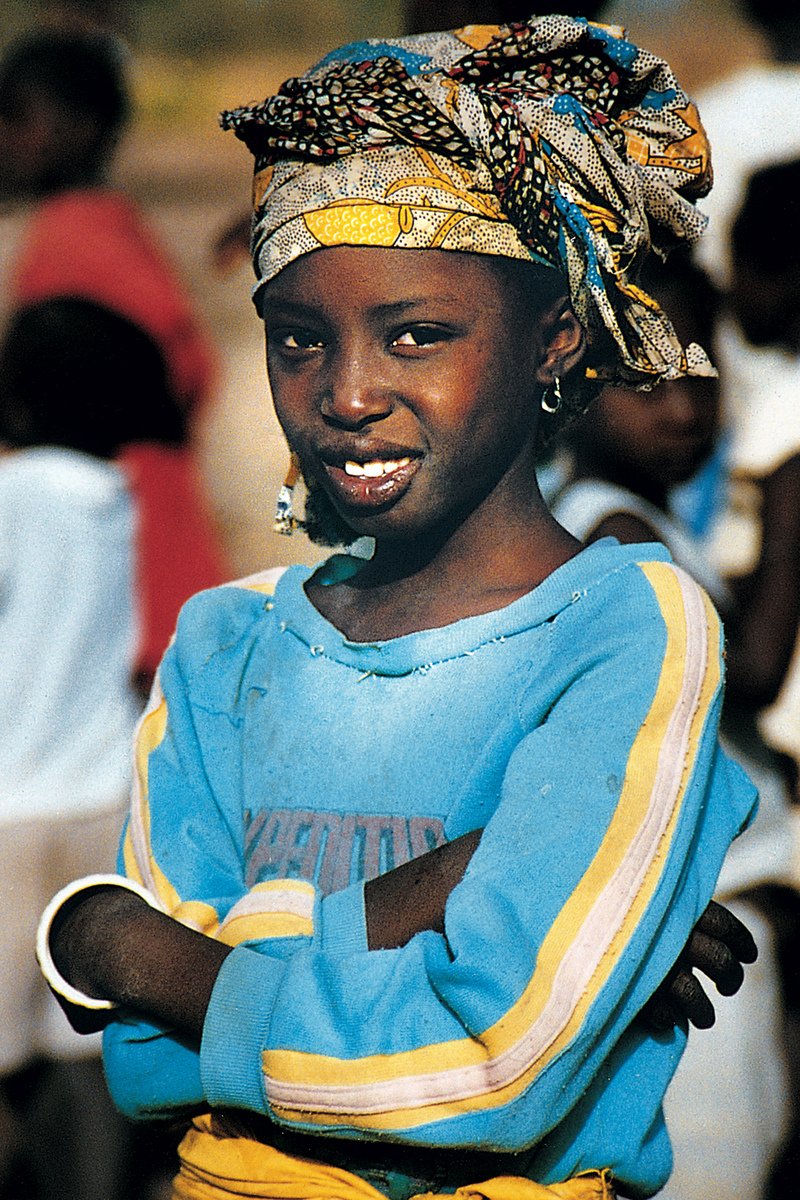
(289, 1024)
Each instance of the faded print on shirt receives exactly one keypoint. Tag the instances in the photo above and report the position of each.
(332, 850)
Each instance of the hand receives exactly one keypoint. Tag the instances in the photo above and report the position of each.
(718, 946)
(412, 898)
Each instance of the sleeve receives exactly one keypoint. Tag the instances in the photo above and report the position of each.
(615, 813)
(185, 851)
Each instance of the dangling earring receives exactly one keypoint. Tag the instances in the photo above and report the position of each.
(285, 521)
(554, 405)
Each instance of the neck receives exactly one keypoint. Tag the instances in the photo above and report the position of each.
(517, 555)
(429, 581)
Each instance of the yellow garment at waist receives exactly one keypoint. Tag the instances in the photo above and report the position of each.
(215, 1165)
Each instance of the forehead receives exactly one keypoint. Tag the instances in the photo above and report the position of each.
(378, 264)
(346, 277)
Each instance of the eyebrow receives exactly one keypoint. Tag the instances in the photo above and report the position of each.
(403, 306)
(290, 306)
(393, 308)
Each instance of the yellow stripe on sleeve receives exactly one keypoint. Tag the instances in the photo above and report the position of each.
(275, 908)
(138, 857)
(139, 860)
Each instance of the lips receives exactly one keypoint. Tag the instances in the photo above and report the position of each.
(372, 481)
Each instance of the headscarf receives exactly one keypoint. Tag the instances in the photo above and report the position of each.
(554, 140)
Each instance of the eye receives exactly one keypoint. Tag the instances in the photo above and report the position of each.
(294, 342)
(420, 337)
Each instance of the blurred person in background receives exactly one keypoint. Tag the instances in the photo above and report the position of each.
(729, 1108)
(757, 533)
(88, 16)
(93, 320)
(747, 116)
(77, 384)
(63, 106)
(750, 118)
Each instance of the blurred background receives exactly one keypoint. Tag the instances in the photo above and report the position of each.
(192, 58)
(186, 60)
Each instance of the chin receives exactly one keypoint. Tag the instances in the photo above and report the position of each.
(323, 524)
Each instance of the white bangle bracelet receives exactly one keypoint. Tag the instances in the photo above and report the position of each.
(48, 968)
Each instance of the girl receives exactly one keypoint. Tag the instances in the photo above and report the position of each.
(447, 816)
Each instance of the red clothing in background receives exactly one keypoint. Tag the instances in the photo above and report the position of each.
(93, 244)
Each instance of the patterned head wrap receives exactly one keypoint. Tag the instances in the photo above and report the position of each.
(554, 140)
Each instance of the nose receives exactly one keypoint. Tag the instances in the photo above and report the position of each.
(687, 404)
(353, 392)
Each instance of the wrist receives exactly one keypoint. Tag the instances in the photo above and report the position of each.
(65, 927)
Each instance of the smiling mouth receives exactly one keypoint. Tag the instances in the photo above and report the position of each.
(372, 483)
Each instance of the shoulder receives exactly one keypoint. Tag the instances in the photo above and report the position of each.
(641, 603)
(640, 647)
(105, 206)
(666, 588)
(42, 474)
(583, 507)
(222, 635)
(680, 633)
(625, 526)
(214, 617)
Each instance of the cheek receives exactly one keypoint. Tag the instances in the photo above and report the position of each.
(616, 423)
(493, 395)
(707, 408)
(289, 398)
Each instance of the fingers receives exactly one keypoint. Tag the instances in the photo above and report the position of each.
(718, 946)
(720, 923)
(688, 996)
(84, 1020)
(659, 1013)
(714, 959)
(680, 998)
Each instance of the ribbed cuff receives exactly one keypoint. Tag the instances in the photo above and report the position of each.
(343, 921)
(236, 1027)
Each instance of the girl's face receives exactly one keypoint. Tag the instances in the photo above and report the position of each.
(661, 437)
(406, 381)
(655, 440)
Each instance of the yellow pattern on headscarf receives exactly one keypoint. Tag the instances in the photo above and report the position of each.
(359, 223)
(477, 37)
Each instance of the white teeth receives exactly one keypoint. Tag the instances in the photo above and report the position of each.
(376, 468)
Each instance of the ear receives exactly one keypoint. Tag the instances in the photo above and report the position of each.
(562, 341)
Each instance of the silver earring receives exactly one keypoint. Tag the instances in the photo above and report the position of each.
(548, 405)
(285, 521)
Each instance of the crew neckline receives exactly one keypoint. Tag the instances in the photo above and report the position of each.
(423, 649)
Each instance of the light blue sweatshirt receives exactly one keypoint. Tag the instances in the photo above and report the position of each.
(280, 765)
